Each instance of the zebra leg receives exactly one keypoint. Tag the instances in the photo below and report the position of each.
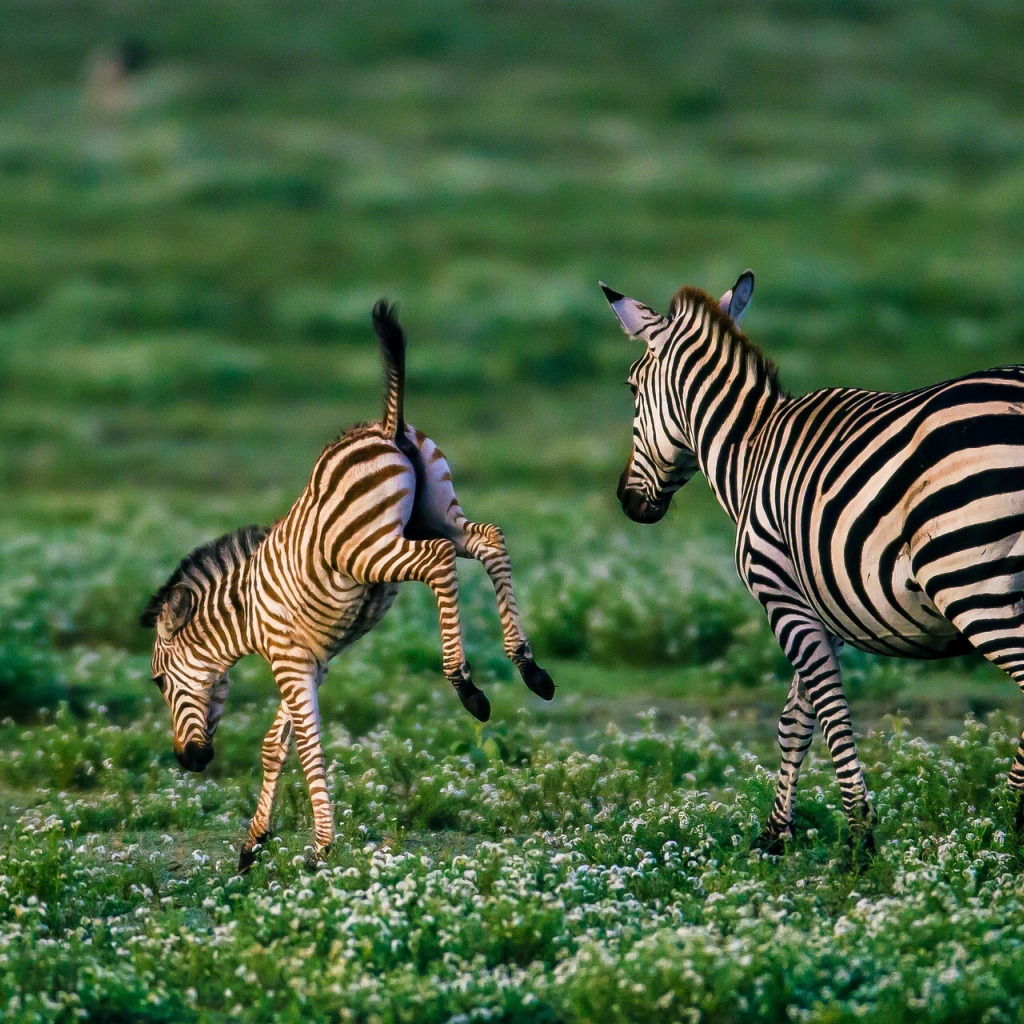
(486, 544)
(812, 652)
(438, 512)
(298, 677)
(433, 562)
(275, 749)
(796, 727)
(993, 623)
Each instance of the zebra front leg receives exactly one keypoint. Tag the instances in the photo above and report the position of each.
(433, 562)
(812, 653)
(486, 544)
(298, 677)
(796, 727)
(275, 749)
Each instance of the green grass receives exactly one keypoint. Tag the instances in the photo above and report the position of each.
(186, 271)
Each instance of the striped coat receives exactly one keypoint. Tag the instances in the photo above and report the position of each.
(892, 522)
(379, 509)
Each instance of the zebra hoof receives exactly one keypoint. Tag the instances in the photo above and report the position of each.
(316, 857)
(770, 842)
(537, 679)
(477, 705)
(247, 855)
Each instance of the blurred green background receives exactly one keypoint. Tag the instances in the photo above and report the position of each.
(199, 203)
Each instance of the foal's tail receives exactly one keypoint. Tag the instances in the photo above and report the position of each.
(392, 350)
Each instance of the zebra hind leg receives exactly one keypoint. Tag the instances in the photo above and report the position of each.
(439, 573)
(993, 622)
(796, 727)
(438, 513)
(486, 544)
(433, 562)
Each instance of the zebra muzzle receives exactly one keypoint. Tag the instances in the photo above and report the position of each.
(641, 509)
(194, 757)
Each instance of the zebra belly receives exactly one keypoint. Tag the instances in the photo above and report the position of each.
(885, 609)
(361, 615)
(326, 622)
(898, 617)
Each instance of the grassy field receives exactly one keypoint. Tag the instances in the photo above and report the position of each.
(188, 257)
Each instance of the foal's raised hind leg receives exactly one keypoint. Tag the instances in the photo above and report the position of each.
(438, 512)
(431, 562)
(486, 544)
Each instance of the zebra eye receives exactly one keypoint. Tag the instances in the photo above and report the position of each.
(160, 682)
(632, 388)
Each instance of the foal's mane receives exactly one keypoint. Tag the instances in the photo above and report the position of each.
(206, 562)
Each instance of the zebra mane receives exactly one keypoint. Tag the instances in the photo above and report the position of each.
(764, 368)
(207, 562)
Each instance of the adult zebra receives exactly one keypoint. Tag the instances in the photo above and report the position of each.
(379, 509)
(893, 522)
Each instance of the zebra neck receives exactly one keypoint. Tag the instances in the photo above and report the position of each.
(724, 415)
(227, 607)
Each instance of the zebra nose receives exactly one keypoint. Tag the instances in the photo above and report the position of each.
(639, 509)
(195, 756)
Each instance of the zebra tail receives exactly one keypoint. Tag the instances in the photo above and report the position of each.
(392, 350)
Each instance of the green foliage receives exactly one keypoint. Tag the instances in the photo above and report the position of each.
(187, 266)
(513, 876)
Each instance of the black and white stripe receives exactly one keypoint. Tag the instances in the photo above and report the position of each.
(379, 508)
(893, 522)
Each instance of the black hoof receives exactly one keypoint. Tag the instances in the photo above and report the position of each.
(476, 704)
(770, 842)
(315, 858)
(248, 854)
(472, 699)
(537, 679)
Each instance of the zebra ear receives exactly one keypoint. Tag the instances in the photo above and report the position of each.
(638, 320)
(735, 300)
(176, 612)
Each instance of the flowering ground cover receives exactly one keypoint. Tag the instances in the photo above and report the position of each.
(502, 874)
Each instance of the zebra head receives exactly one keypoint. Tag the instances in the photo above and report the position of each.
(193, 686)
(662, 457)
(199, 616)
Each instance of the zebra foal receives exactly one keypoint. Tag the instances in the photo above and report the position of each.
(379, 509)
(893, 522)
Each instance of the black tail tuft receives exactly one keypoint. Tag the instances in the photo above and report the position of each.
(392, 350)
